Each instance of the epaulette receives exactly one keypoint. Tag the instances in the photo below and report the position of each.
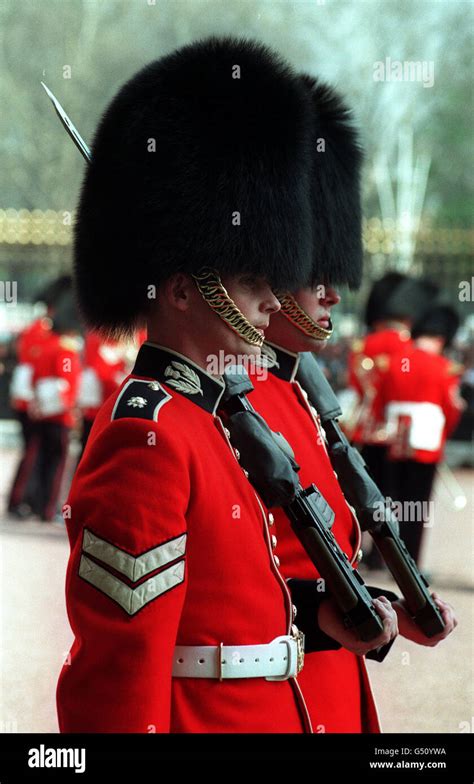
(357, 345)
(382, 361)
(455, 369)
(70, 343)
(140, 398)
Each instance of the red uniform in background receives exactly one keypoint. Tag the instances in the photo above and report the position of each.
(29, 347)
(103, 371)
(335, 682)
(419, 395)
(368, 361)
(55, 385)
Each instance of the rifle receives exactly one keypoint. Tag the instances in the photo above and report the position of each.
(272, 470)
(374, 512)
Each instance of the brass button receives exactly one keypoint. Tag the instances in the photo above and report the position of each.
(237, 454)
(277, 560)
(271, 519)
(227, 432)
(294, 611)
(359, 556)
(313, 411)
(246, 473)
(274, 541)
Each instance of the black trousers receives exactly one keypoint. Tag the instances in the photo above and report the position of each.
(25, 480)
(53, 444)
(376, 459)
(410, 482)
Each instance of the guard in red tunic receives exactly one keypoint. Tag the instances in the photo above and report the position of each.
(53, 407)
(30, 346)
(190, 214)
(421, 403)
(394, 301)
(104, 369)
(335, 682)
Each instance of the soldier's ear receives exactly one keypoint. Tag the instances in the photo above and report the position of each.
(179, 291)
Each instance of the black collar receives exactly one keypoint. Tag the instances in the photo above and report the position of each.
(281, 363)
(180, 374)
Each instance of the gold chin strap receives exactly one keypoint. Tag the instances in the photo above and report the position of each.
(295, 313)
(213, 292)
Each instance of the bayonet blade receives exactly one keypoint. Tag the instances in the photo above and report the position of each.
(68, 125)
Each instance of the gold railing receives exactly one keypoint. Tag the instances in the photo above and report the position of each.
(49, 227)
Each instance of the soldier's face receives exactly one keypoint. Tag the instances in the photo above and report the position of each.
(184, 321)
(317, 302)
(256, 300)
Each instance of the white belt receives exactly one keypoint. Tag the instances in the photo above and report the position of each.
(278, 660)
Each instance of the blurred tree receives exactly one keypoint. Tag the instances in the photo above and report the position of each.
(84, 49)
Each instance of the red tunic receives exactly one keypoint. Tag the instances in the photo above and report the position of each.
(419, 396)
(335, 683)
(157, 468)
(29, 347)
(103, 371)
(368, 362)
(56, 379)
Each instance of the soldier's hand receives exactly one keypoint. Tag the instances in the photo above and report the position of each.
(411, 631)
(330, 621)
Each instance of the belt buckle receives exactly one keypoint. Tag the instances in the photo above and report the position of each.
(298, 636)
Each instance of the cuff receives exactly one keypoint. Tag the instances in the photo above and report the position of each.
(306, 598)
(379, 654)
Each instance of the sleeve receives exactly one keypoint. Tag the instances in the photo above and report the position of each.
(452, 402)
(126, 580)
(379, 654)
(307, 599)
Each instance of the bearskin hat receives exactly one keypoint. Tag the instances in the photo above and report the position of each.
(439, 320)
(411, 298)
(379, 296)
(335, 190)
(200, 160)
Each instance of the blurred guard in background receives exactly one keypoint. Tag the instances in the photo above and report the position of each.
(419, 395)
(104, 369)
(394, 302)
(55, 386)
(30, 345)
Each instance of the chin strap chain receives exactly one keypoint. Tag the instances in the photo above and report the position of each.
(295, 313)
(213, 292)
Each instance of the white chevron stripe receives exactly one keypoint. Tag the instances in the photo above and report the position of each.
(134, 567)
(131, 599)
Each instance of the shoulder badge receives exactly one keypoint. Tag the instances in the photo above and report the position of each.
(382, 361)
(357, 345)
(455, 369)
(140, 398)
(70, 343)
(183, 378)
